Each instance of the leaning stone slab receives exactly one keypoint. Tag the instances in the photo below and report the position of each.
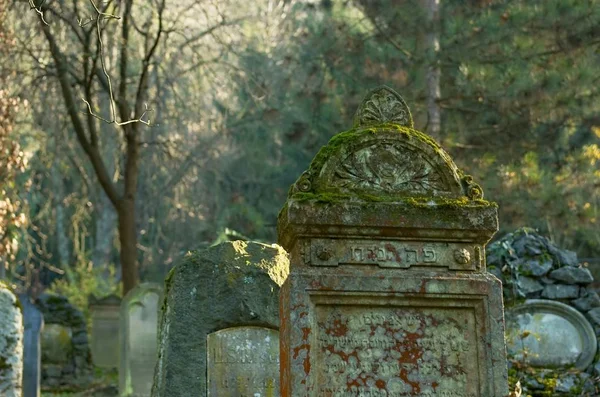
(549, 334)
(11, 344)
(138, 339)
(218, 334)
(388, 293)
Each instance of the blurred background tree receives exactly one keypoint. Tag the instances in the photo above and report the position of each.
(243, 94)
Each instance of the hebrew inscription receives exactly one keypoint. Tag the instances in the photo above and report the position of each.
(390, 254)
(396, 352)
(243, 362)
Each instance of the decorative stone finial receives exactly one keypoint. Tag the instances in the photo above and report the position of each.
(383, 105)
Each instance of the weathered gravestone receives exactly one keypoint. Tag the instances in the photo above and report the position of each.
(387, 293)
(32, 355)
(11, 343)
(549, 334)
(138, 339)
(105, 331)
(218, 335)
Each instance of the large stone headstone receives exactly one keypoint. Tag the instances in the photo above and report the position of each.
(387, 293)
(105, 331)
(138, 339)
(11, 344)
(32, 355)
(549, 334)
(218, 335)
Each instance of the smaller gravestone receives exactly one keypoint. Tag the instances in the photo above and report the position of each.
(549, 334)
(138, 339)
(105, 331)
(32, 354)
(11, 344)
(218, 333)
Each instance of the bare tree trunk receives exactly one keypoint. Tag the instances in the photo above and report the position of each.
(128, 240)
(434, 72)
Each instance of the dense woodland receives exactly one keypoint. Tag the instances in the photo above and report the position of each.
(134, 131)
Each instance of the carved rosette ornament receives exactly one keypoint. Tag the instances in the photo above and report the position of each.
(462, 256)
(383, 105)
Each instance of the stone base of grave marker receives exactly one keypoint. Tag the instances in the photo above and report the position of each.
(388, 293)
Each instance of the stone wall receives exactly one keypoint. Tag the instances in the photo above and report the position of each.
(531, 267)
(73, 369)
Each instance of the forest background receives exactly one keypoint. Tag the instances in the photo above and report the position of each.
(134, 131)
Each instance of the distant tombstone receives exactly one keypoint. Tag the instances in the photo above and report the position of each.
(220, 319)
(32, 351)
(105, 331)
(138, 339)
(549, 334)
(387, 293)
(243, 361)
(11, 344)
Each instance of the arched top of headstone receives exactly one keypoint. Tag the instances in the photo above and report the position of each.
(383, 105)
(136, 295)
(384, 159)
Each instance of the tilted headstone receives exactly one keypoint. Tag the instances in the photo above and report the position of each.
(138, 339)
(549, 334)
(218, 335)
(11, 344)
(105, 331)
(387, 293)
(32, 354)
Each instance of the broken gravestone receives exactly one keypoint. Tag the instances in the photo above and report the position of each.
(219, 330)
(387, 293)
(11, 343)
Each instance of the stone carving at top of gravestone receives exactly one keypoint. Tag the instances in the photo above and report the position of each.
(64, 325)
(387, 293)
(219, 323)
(105, 330)
(549, 334)
(11, 343)
(33, 323)
(138, 339)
